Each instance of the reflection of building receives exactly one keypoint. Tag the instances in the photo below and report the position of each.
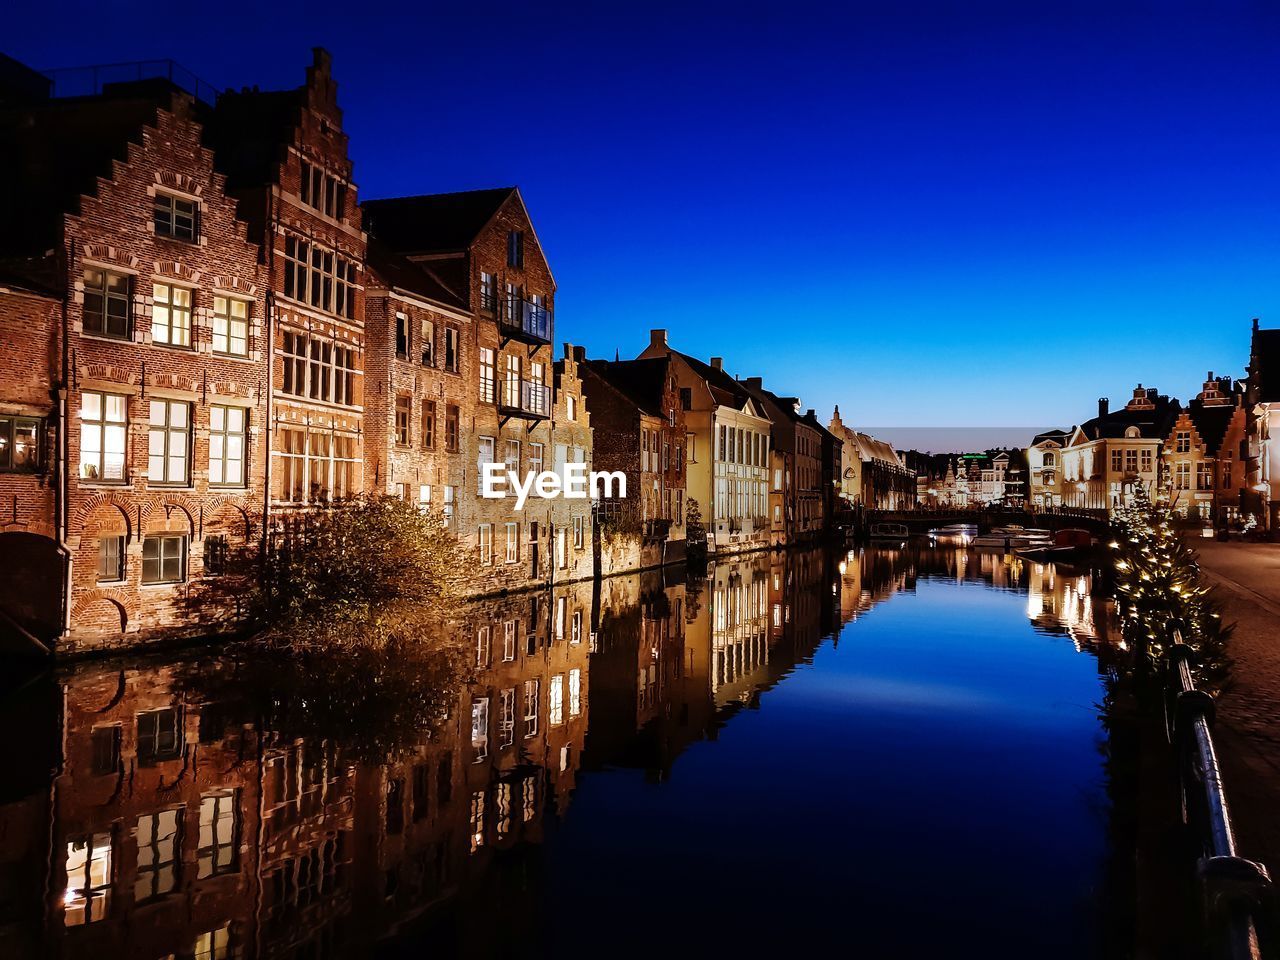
(1062, 601)
(1205, 454)
(1108, 457)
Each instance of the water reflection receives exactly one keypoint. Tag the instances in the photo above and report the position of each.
(227, 807)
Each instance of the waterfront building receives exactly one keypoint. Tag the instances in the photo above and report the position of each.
(1205, 453)
(797, 504)
(1044, 468)
(1262, 406)
(286, 160)
(727, 457)
(872, 474)
(639, 427)
(482, 246)
(132, 434)
(1109, 456)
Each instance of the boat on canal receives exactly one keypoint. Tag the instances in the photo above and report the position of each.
(897, 532)
(1014, 538)
(1068, 546)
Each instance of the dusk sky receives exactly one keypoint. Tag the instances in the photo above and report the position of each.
(948, 214)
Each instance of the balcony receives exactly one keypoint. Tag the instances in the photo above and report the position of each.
(524, 400)
(524, 321)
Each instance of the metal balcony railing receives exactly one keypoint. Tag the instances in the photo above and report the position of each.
(525, 320)
(90, 80)
(525, 398)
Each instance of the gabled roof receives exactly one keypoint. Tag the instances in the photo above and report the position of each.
(641, 382)
(53, 151)
(1060, 437)
(417, 278)
(726, 390)
(1153, 423)
(1211, 422)
(436, 222)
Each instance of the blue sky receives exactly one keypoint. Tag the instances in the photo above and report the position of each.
(931, 214)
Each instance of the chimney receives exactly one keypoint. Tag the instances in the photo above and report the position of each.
(717, 363)
(658, 338)
(1104, 406)
(755, 383)
(580, 354)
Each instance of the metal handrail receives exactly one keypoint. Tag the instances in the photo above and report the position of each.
(90, 80)
(1234, 887)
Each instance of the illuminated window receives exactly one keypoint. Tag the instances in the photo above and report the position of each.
(428, 346)
(579, 532)
(227, 429)
(102, 436)
(88, 894)
(168, 442)
(20, 444)
(575, 692)
(502, 808)
(230, 327)
(507, 717)
(452, 343)
(483, 634)
(479, 729)
(555, 706)
(477, 820)
(215, 945)
(219, 833)
(159, 843)
(511, 459)
(171, 315)
(509, 640)
(488, 292)
(488, 374)
(530, 708)
(575, 634)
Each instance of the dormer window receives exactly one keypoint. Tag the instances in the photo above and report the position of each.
(177, 217)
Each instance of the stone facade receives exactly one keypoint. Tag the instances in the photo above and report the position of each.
(1205, 455)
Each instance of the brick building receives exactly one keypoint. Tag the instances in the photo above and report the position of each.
(639, 430)
(147, 473)
(1262, 406)
(482, 246)
(285, 157)
(796, 503)
(1205, 454)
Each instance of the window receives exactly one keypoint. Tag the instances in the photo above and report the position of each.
(395, 807)
(555, 706)
(1146, 461)
(159, 835)
(428, 424)
(315, 466)
(219, 833)
(511, 459)
(177, 217)
(483, 645)
(230, 327)
(535, 458)
(485, 447)
(511, 382)
(531, 708)
(159, 735)
(402, 491)
(164, 559)
(402, 421)
(507, 717)
(318, 369)
(571, 407)
(1204, 476)
(1182, 475)
(1117, 461)
(562, 606)
(106, 751)
(169, 439)
(479, 729)
(1131, 461)
(110, 559)
(579, 532)
(171, 315)
(102, 436)
(488, 374)
(106, 303)
(1182, 441)
(88, 879)
(215, 554)
(451, 343)
(402, 336)
(484, 541)
(477, 820)
(428, 343)
(424, 496)
(575, 628)
(227, 427)
(321, 191)
(215, 945)
(575, 692)
(515, 249)
(450, 494)
(20, 444)
(452, 441)
(509, 629)
(488, 292)
(319, 277)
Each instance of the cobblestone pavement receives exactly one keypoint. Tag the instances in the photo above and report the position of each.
(1248, 725)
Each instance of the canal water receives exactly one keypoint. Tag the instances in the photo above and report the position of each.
(889, 752)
